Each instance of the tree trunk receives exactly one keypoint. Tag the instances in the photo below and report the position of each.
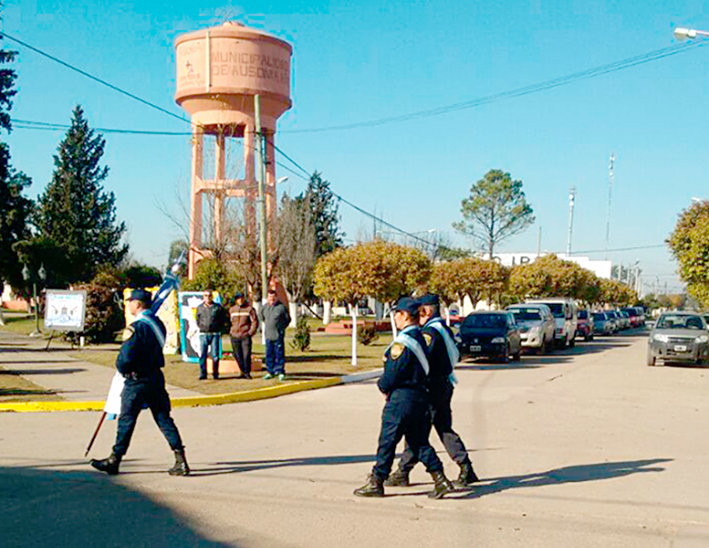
(354, 334)
(393, 323)
(293, 309)
(327, 312)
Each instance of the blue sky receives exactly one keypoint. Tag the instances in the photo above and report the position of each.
(373, 60)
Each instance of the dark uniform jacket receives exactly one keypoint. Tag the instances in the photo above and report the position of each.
(404, 376)
(438, 358)
(141, 355)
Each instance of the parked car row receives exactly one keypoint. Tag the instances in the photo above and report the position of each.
(537, 326)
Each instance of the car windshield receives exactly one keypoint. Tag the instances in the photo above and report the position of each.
(522, 314)
(599, 316)
(583, 314)
(557, 309)
(485, 320)
(680, 322)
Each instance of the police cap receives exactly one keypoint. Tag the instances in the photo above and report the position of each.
(140, 295)
(407, 304)
(430, 300)
(238, 295)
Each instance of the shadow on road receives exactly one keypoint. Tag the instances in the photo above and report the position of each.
(567, 474)
(70, 509)
(250, 465)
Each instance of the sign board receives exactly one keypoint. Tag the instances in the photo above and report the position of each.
(189, 332)
(65, 310)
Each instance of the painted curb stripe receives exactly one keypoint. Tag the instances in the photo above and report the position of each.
(195, 401)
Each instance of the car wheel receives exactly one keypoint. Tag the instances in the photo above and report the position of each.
(572, 342)
(506, 356)
(516, 357)
(650, 359)
(548, 346)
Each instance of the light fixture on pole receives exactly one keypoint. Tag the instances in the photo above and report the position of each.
(682, 34)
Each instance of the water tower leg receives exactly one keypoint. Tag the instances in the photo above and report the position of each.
(219, 177)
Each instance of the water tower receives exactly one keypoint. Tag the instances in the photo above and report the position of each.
(220, 71)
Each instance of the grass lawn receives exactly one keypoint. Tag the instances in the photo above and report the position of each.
(20, 323)
(14, 388)
(328, 356)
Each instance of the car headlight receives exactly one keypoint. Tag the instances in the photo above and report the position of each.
(661, 338)
(498, 340)
(535, 330)
(702, 339)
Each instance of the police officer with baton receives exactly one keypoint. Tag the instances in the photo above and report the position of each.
(140, 362)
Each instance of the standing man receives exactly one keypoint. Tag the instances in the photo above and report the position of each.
(406, 412)
(244, 323)
(140, 361)
(275, 318)
(443, 357)
(210, 321)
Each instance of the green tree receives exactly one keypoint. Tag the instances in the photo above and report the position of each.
(15, 208)
(217, 276)
(74, 211)
(324, 214)
(689, 243)
(495, 211)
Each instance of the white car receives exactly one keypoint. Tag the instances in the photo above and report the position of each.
(564, 311)
(536, 325)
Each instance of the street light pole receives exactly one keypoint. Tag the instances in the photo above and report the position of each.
(683, 34)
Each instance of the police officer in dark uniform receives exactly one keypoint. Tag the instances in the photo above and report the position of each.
(406, 412)
(439, 351)
(140, 361)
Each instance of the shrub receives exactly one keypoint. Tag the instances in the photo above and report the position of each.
(104, 316)
(301, 339)
(367, 334)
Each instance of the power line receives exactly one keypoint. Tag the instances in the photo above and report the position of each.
(621, 249)
(518, 92)
(94, 78)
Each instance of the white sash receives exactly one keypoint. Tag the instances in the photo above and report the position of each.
(154, 326)
(451, 348)
(413, 345)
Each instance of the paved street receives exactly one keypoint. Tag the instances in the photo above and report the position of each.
(585, 448)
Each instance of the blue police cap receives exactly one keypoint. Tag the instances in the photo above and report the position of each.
(238, 295)
(140, 295)
(407, 304)
(430, 300)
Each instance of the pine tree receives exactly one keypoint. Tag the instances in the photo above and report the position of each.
(74, 211)
(14, 207)
(324, 214)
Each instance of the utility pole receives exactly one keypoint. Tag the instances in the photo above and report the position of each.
(260, 177)
(611, 166)
(539, 243)
(572, 196)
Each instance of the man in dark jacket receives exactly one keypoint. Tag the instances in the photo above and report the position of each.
(140, 361)
(406, 412)
(442, 356)
(244, 323)
(211, 320)
(275, 319)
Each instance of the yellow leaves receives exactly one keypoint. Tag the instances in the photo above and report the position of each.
(382, 270)
(471, 276)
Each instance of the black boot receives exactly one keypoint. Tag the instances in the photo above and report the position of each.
(441, 486)
(398, 479)
(109, 465)
(467, 475)
(373, 488)
(181, 467)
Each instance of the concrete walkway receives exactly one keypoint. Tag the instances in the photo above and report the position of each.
(55, 370)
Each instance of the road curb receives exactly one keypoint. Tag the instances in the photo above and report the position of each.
(196, 401)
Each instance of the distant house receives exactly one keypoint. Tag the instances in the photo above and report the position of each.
(11, 301)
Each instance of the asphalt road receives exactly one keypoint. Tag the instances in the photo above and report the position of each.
(589, 447)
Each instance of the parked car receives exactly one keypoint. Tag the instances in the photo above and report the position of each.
(564, 311)
(634, 315)
(490, 335)
(678, 337)
(536, 325)
(615, 321)
(584, 326)
(602, 323)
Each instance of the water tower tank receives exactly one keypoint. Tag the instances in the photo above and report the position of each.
(219, 72)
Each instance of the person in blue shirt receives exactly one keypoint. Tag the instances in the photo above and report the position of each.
(406, 414)
(443, 357)
(140, 362)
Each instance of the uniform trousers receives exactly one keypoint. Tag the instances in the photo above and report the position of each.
(406, 415)
(136, 395)
(441, 395)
